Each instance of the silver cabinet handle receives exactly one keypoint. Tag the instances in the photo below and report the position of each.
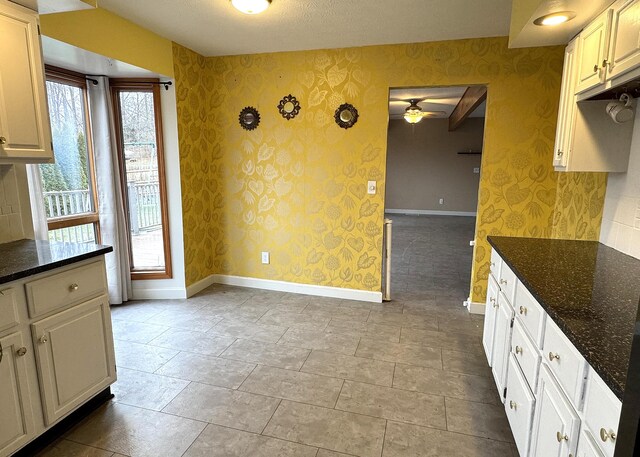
(21, 352)
(73, 287)
(43, 339)
(553, 356)
(604, 435)
(560, 437)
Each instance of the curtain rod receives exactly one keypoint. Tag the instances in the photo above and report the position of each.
(166, 84)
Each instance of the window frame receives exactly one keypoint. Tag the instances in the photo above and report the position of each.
(79, 80)
(117, 86)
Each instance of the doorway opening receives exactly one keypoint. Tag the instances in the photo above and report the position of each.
(434, 153)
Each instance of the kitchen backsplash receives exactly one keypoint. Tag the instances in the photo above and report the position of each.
(621, 217)
(10, 218)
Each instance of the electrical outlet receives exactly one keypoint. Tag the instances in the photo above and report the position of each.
(265, 257)
(476, 170)
(372, 187)
(441, 201)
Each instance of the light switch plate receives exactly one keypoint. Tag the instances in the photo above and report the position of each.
(265, 257)
(372, 187)
(476, 170)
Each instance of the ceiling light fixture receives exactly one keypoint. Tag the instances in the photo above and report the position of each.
(251, 6)
(557, 18)
(413, 114)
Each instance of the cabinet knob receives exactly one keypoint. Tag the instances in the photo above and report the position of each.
(73, 287)
(503, 281)
(3, 140)
(43, 339)
(604, 435)
(561, 437)
(605, 62)
(553, 357)
(493, 264)
(559, 153)
(21, 352)
(513, 405)
(518, 350)
(523, 310)
(595, 68)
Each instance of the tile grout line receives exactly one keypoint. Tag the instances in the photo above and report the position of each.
(270, 418)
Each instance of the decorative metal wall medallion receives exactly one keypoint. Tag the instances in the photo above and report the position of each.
(289, 107)
(346, 115)
(249, 118)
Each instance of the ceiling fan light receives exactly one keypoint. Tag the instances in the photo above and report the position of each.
(413, 114)
(251, 6)
(557, 18)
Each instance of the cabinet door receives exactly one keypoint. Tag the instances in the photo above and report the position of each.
(501, 344)
(593, 52)
(490, 319)
(624, 50)
(567, 108)
(16, 417)
(75, 356)
(556, 424)
(24, 122)
(519, 405)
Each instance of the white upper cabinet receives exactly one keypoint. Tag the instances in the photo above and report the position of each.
(624, 49)
(25, 134)
(567, 109)
(594, 41)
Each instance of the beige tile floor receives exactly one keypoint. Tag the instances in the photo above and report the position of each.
(245, 372)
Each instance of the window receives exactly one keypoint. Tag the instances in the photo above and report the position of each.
(69, 183)
(136, 105)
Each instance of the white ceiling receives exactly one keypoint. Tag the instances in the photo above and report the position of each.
(435, 99)
(214, 27)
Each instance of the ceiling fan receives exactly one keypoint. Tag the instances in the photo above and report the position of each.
(414, 112)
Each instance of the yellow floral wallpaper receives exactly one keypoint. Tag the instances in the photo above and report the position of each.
(297, 188)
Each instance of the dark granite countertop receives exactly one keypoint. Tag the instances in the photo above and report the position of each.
(23, 258)
(590, 291)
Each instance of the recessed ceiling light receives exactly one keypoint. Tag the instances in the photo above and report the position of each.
(555, 18)
(251, 6)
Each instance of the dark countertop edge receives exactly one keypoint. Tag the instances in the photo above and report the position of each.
(56, 264)
(615, 387)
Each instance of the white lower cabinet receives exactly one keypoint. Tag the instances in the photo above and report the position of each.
(501, 344)
(16, 417)
(519, 404)
(490, 319)
(54, 362)
(556, 424)
(75, 357)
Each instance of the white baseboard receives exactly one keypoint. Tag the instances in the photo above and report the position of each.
(285, 286)
(430, 212)
(200, 285)
(159, 294)
(475, 307)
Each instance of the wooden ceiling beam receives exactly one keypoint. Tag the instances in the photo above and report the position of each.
(472, 98)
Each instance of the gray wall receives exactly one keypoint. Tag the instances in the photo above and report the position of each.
(423, 165)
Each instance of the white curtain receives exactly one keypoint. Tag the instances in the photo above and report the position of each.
(40, 228)
(113, 227)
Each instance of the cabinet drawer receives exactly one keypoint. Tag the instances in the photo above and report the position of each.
(566, 363)
(519, 406)
(526, 354)
(8, 309)
(601, 413)
(507, 282)
(68, 287)
(530, 313)
(496, 265)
